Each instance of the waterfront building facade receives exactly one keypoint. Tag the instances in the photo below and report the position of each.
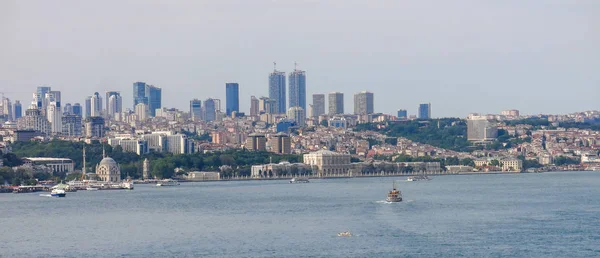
(326, 163)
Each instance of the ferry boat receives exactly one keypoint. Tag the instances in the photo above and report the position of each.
(394, 195)
(299, 180)
(418, 178)
(167, 182)
(58, 193)
(127, 185)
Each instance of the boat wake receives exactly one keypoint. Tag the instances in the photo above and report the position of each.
(386, 202)
(45, 195)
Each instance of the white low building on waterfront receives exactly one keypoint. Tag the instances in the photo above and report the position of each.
(57, 165)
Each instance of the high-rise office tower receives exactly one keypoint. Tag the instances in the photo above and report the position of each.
(196, 109)
(266, 105)
(40, 97)
(96, 105)
(298, 115)
(232, 98)
(154, 96)
(139, 93)
(141, 111)
(94, 127)
(77, 109)
(297, 89)
(363, 103)
(67, 109)
(54, 116)
(277, 91)
(71, 125)
(425, 111)
(336, 103)
(254, 103)
(115, 105)
(7, 109)
(318, 105)
(210, 110)
(402, 113)
(88, 106)
(18, 110)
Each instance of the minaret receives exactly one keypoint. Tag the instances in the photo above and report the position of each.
(146, 169)
(83, 168)
(103, 152)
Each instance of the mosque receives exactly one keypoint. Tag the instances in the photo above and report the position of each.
(108, 170)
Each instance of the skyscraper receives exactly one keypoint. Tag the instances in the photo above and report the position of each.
(141, 111)
(210, 110)
(7, 109)
(96, 105)
(254, 110)
(297, 82)
(147, 94)
(88, 106)
(425, 111)
(94, 127)
(277, 91)
(139, 93)
(232, 98)
(336, 103)
(54, 116)
(196, 109)
(298, 115)
(18, 110)
(67, 109)
(266, 105)
(71, 125)
(34, 120)
(318, 105)
(402, 113)
(40, 96)
(77, 110)
(363, 103)
(154, 96)
(115, 105)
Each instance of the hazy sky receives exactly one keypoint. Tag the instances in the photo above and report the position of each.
(462, 56)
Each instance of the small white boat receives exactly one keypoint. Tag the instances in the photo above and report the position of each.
(167, 182)
(58, 193)
(344, 234)
(299, 180)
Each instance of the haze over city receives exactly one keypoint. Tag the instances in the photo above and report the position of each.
(462, 56)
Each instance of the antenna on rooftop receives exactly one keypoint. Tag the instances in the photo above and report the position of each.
(295, 65)
(275, 66)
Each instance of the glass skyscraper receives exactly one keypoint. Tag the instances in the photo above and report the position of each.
(139, 93)
(147, 94)
(425, 111)
(210, 110)
(232, 97)
(297, 82)
(77, 109)
(277, 91)
(18, 110)
(196, 109)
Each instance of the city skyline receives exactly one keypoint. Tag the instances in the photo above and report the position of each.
(436, 55)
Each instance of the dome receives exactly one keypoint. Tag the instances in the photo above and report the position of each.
(108, 162)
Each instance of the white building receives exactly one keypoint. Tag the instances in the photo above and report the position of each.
(108, 170)
(326, 162)
(141, 110)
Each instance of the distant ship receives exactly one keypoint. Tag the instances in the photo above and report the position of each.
(58, 193)
(418, 178)
(299, 180)
(167, 182)
(394, 195)
(344, 234)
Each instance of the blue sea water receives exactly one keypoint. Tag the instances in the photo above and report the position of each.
(517, 215)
